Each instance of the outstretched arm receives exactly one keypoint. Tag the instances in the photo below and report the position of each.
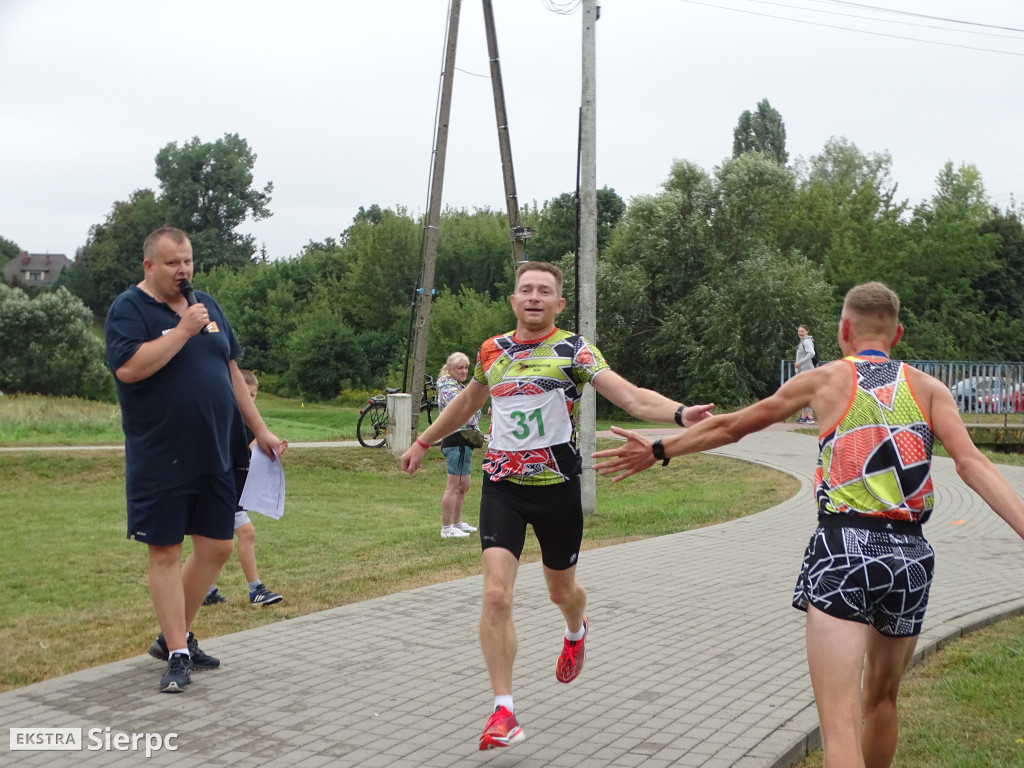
(971, 464)
(635, 454)
(646, 404)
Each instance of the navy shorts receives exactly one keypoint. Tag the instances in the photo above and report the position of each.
(459, 458)
(204, 506)
(868, 576)
(555, 512)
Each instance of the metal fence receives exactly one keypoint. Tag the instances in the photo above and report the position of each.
(976, 387)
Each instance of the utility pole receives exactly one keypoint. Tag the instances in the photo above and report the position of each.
(518, 233)
(433, 220)
(587, 427)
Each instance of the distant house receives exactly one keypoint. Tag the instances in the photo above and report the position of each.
(34, 270)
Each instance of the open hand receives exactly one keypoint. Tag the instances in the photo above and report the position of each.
(632, 456)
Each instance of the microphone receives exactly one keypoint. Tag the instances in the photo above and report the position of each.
(190, 296)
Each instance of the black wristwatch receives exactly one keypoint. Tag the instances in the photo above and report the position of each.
(679, 415)
(659, 452)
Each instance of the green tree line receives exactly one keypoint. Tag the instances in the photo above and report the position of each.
(701, 284)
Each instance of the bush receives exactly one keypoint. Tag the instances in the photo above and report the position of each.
(47, 347)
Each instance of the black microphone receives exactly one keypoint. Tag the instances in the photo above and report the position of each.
(190, 296)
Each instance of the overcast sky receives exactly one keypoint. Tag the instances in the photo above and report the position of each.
(337, 98)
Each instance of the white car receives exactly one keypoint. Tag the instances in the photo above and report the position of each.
(983, 394)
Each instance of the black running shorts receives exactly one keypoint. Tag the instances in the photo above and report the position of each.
(204, 506)
(555, 512)
(872, 577)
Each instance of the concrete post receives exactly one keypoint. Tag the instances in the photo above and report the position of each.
(399, 436)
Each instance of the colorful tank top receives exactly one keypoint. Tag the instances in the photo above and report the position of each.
(535, 389)
(876, 462)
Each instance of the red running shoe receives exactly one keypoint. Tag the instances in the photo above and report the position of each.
(502, 730)
(570, 660)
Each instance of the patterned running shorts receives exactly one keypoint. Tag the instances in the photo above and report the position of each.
(871, 577)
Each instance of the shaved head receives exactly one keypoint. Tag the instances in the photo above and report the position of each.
(873, 309)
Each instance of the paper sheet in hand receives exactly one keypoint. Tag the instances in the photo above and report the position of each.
(264, 486)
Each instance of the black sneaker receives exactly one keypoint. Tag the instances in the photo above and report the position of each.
(214, 597)
(178, 674)
(200, 661)
(260, 595)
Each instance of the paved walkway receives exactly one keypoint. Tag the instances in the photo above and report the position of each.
(695, 658)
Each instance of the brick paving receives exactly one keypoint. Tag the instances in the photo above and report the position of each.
(695, 658)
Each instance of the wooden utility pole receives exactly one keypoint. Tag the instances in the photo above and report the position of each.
(587, 426)
(433, 220)
(517, 233)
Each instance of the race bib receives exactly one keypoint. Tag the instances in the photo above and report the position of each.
(525, 422)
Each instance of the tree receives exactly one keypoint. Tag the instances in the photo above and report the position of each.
(8, 250)
(1004, 288)
(383, 259)
(761, 131)
(461, 321)
(474, 251)
(47, 346)
(207, 191)
(111, 259)
(325, 355)
(947, 255)
(844, 215)
(555, 224)
(754, 197)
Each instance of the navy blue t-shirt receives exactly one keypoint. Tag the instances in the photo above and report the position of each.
(183, 421)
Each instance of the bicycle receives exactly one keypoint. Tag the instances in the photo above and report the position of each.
(372, 427)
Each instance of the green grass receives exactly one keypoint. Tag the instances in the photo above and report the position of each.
(961, 708)
(36, 420)
(355, 527)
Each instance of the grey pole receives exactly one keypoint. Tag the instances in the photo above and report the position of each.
(433, 220)
(517, 233)
(588, 248)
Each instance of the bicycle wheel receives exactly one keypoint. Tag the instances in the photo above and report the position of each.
(430, 408)
(372, 428)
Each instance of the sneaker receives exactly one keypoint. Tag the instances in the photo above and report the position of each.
(201, 661)
(502, 730)
(465, 527)
(451, 532)
(263, 596)
(570, 660)
(178, 674)
(214, 597)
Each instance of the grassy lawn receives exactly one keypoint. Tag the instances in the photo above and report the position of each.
(961, 707)
(355, 527)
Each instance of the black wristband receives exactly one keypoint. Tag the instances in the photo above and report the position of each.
(659, 452)
(679, 415)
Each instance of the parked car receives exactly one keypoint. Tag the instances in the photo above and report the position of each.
(986, 394)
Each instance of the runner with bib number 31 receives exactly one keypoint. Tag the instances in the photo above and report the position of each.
(535, 376)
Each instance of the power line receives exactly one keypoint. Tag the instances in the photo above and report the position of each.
(564, 8)
(917, 15)
(850, 29)
(889, 21)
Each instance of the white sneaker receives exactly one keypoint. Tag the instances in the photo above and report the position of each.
(465, 527)
(450, 532)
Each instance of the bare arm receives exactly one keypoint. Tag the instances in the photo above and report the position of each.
(265, 439)
(635, 454)
(453, 417)
(153, 355)
(646, 404)
(972, 465)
